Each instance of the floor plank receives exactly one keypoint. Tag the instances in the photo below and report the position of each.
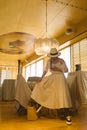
(10, 119)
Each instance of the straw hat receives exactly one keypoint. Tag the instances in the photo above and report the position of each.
(53, 53)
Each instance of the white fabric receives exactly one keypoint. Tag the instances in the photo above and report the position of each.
(77, 82)
(72, 82)
(52, 92)
(8, 89)
(23, 92)
(84, 82)
(80, 81)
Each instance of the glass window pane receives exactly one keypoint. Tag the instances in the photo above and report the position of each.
(65, 54)
(27, 71)
(39, 68)
(32, 70)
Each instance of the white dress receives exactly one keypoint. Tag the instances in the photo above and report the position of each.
(52, 92)
(23, 92)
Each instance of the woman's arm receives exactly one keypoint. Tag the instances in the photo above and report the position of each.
(65, 68)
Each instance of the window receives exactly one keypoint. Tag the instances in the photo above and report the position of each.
(27, 72)
(35, 69)
(65, 54)
(39, 68)
(79, 54)
(5, 74)
(32, 70)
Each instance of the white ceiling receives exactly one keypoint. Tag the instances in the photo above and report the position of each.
(29, 16)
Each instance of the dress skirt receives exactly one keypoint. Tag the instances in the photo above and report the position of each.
(52, 92)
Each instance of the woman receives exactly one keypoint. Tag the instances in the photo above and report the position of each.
(52, 91)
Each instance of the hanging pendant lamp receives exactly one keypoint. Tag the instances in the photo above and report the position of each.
(43, 45)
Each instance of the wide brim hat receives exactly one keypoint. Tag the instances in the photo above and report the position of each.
(54, 53)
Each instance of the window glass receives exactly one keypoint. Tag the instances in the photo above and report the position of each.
(33, 70)
(39, 68)
(65, 54)
(79, 54)
(27, 71)
(5, 74)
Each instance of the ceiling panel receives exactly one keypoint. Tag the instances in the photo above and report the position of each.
(29, 16)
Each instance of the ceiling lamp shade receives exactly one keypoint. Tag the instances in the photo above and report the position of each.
(43, 45)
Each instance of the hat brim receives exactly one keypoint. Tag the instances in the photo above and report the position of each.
(50, 55)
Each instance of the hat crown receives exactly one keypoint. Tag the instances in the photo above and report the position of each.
(53, 51)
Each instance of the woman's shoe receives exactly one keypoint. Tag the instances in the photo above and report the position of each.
(68, 120)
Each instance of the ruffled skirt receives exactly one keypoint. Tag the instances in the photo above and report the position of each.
(52, 92)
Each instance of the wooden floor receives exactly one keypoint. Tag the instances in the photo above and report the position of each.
(10, 120)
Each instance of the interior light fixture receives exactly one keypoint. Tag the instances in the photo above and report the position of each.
(43, 45)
